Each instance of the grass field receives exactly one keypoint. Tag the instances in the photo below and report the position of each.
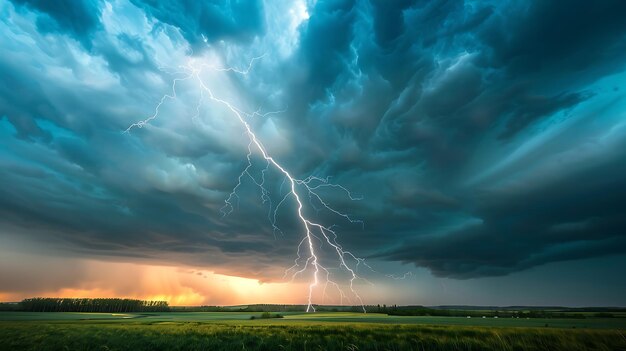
(319, 331)
(307, 318)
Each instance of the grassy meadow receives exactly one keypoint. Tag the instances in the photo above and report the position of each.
(297, 331)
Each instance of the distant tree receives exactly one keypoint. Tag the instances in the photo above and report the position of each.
(114, 305)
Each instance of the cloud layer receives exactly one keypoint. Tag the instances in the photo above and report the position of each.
(485, 137)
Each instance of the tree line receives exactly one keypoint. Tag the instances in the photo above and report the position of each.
(114, 305)
(395, 310)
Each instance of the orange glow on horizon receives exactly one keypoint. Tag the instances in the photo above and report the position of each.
(179, 286)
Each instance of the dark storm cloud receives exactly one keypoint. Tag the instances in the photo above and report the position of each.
(541, 36)
(213, 20)
(532, 108)
(443, 79)
(79, 19)
(486, 138)
(388, 19)
(325, 60)
(574, 216)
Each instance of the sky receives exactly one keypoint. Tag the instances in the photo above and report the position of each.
(455, 152)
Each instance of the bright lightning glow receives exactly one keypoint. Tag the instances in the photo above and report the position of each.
(313, 231)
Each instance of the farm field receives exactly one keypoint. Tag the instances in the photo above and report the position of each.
(244, 318)
(297, 331)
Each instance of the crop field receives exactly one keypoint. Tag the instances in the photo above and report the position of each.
(297, 331)
(292, 318)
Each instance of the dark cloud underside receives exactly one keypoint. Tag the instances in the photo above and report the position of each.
(486, 137)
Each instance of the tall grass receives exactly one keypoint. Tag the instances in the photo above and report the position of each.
(199, 336)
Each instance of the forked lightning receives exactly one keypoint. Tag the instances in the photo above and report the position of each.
(297, 189)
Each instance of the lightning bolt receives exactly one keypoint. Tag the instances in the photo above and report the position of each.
(298, 189)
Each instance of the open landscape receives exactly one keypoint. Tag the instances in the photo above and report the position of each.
(313, 175)
(331, 331)
(258, 329)
(324, 331)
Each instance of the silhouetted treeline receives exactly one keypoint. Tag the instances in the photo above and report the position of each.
(45, 304)
(395, 310)
(10, 306)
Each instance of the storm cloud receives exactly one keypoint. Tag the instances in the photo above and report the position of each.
(485, 137)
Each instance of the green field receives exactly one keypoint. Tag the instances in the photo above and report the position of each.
(298, 331)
